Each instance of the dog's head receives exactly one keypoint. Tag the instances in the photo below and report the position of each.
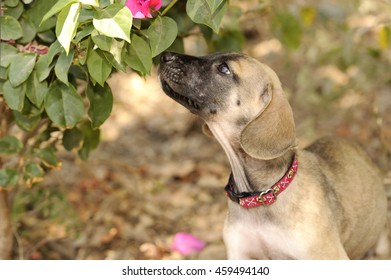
(237, 91)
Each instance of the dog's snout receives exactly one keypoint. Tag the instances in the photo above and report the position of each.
(167, 57)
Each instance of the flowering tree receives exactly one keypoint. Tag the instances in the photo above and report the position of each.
(49, 49)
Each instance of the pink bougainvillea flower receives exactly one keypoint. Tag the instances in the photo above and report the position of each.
(142, 8)
(185, 244)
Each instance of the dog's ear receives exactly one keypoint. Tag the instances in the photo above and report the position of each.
(272, 132)
(206, 130)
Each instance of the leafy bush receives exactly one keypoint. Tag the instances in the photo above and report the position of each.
(56, 57)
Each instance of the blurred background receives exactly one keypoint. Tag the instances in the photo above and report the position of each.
(155, 174)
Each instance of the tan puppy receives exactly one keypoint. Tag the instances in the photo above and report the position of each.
(331, 201)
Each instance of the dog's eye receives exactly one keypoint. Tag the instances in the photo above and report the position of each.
(223, 68)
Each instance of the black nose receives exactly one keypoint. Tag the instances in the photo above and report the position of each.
(167, 57)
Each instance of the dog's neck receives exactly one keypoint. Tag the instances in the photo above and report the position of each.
(250, 174)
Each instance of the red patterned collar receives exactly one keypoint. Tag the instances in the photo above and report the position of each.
(254, 199)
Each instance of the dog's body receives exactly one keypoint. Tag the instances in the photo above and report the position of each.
(335, 206)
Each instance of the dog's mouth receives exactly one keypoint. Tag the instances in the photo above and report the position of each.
(184, 100)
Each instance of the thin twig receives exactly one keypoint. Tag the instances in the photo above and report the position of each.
(172, 3)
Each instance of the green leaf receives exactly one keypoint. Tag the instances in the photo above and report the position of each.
(15, 12)
(54, 49)
(47, 25)
(14, 96)
(98, 67)
(30, 110)
(94, 3)
(62, 66)
(43, 69)
(78, 72)
(36, 90)
(90, 140)
(37, 11)
(105, 3)
(84, 50)
(139, 55)
(48, 157)
(114, 21)
(43, 64)
(229, 40)
(8, 53)
(162, 34)
(101, 104)
(10, 145)
(102, 42)
(29, 31)
(86, 16)
(208, 12)
(307, 15)
(11, 3)
(32, 173)
(10, 28)
(3, 76)
(214, 4)
(117, 48)
(60, 5)
(64, 105)
(27, 123)
(67, 25)
(115, 55)
(8, 177)
(86, 31)
(21, 68)
(287, 29)
(72, 139)
(110, 58)
(384, 37)
(48, 36)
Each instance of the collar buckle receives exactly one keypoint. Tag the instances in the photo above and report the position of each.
(267, 197)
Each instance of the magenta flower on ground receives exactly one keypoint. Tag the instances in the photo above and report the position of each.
(185, 244)
(143, 8)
